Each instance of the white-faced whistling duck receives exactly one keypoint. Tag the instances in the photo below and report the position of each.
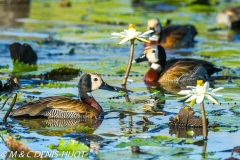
(171, 36)
(64, 107)
(229, 17)
(174, 70)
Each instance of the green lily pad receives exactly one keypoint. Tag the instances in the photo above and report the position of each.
(223, 129)
(3, 132)
(170, 153)
(154, 141)
(227, 99)
(225, 120)
(72, 146)
(236, 109)
(66, 94)
(56, 85)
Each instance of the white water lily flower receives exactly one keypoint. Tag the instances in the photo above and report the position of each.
(197, 94)
(131, 33)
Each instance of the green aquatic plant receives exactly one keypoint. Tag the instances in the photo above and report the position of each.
(56, 85)
(236, 109)
(63, 71)
(3, 132)
(197, 95)
(223, 129)
(66, 94)
(113, 104)
(130, 34)
(4, 66)
(20, 68)
(83, 129)
(71, 147)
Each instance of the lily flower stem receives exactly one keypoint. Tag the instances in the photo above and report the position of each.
(204, 121)
(204, 149)
(129, 62)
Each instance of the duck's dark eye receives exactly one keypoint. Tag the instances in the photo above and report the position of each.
(153, 51)
(95, 79)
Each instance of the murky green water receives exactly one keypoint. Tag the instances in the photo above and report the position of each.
(86, 27)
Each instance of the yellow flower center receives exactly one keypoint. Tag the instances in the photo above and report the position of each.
(199, 86)
(199, 82)
(131, 27)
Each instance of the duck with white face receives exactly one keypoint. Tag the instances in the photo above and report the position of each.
(64, 107)
(230, 17)
(171, 36)
(174, 70)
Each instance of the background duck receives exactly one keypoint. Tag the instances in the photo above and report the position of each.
(171, 36)
(64, 107)
(174, 70)
(229, 17)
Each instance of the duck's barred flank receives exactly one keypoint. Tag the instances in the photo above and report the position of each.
(62, 122)
(198, 72)
(56, 113)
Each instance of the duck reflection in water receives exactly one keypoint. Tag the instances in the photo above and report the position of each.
(60, 126)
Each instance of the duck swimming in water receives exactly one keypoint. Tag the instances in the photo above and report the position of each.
(64, 107)
(174, 70)
(171, 36)
(229, 17)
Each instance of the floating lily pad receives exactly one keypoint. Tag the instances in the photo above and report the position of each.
(236, 109)
(154, 141)
(66, 94)
(72, 147)
(223, 129)
(225, 120)
(169, 153)
(3, 132)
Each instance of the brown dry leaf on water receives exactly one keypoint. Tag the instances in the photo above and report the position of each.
(15, 145)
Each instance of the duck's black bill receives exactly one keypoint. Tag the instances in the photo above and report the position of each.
(105, 86)
(153, 29)
(142, 58)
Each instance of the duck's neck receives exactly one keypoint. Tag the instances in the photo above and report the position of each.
(157, 68)
(161, 56)
(88, 99)
(153, 73)
(160, 35)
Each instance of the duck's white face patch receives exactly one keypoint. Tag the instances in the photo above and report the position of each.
(223, 18)
(96, 81)
(155, 24)
(151, 54)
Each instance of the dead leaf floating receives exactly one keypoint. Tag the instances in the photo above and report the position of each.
(15, 145)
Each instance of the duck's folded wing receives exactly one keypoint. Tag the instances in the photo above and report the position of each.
(181, 69)
(34, 108)
(178, 35)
